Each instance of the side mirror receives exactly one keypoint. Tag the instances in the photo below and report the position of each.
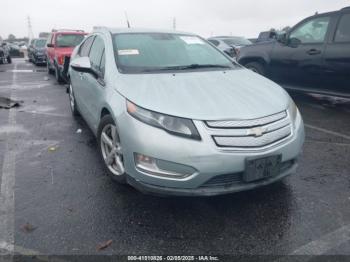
(294, 42)
(282, 38)
(49, 45)
(83, 65)
(231, 52)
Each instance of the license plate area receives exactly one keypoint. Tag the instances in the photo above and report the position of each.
(262, 168)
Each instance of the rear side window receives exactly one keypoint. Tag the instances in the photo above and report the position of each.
(86, 46)
(343, 30)
(96, 53)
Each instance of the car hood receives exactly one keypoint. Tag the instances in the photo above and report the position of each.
(214, 95)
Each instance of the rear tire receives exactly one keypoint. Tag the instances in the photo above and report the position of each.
(58, 76)
(115, 169)
(256, 67)
(49, 70)
(9, 60)
(72, 102)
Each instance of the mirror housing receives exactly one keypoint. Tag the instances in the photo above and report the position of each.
(83, 65)
(49, 45)
(231, 52)
(294, 42)
(282, 37)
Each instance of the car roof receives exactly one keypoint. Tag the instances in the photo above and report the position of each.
(225, 37)
(139, 30)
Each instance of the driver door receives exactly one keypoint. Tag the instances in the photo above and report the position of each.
(302, 54)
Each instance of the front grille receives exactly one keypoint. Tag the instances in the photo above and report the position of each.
(236, 178)
(252, 134)
(224, 180)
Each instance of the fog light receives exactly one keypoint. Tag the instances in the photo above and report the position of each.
(151, 166)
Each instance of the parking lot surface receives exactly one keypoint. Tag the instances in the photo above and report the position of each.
(56, 199)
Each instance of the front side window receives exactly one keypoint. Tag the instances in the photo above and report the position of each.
(86, 46)
(96, 53)
(155, 52)
(312, 31)
(343, 30)
(69, 40)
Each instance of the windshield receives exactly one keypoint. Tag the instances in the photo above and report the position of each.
(237, 41)
(152, 52)
(69, 40)
(40, 43)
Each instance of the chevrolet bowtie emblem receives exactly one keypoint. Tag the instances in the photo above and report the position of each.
(256, 131)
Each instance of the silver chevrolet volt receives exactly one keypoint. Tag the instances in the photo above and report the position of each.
(174, 115)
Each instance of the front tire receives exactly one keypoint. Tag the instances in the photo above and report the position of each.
(256, 67)
(110, 149)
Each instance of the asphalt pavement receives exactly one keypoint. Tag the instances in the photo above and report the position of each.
(56, 199)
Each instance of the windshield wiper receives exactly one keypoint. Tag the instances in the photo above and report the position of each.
(194, 66)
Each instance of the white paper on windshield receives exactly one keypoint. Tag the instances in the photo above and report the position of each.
(128, 52)
(192, 40)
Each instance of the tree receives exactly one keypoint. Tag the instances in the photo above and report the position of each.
(11, 37)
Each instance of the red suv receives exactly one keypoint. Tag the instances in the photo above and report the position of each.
(60, 45)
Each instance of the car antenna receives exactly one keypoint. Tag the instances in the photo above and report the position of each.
(127, 19)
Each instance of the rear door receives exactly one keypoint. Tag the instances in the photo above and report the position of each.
(302, 55)
(337, 54)
(94, 87)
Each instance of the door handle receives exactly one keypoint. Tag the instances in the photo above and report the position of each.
(314, 52)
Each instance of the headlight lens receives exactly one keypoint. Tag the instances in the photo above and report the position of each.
(174, 125)
(293, 110)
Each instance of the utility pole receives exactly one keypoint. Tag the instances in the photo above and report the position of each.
(30, 30)
(174, 23)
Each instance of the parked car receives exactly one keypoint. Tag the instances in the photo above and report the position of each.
(229, 44)
(60, 44)
(316, 49)
(266, 36)
(5, 53)
(37, 51)
(173, 115)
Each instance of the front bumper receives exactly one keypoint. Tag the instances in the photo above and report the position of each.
(204, 156)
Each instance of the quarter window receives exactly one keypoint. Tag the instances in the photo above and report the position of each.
(96, 53)
(343, 30)
(312, 31)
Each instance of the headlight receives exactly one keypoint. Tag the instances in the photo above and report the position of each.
(293, 110)
(174, 125)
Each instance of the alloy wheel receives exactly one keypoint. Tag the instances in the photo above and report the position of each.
(111, 150)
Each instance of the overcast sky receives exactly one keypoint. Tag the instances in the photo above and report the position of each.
(204, 17)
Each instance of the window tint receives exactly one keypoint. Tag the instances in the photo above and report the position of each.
(96, 53)
(214, 42)
(147, 52)
(86, 46)
(343, 30)
(312, 31)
